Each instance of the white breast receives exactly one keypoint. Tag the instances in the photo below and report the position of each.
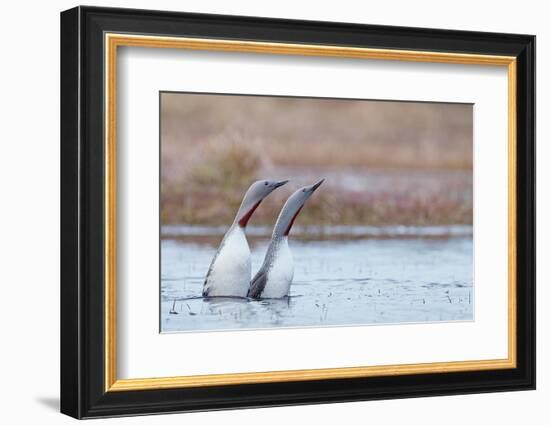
(231, 271)
(281, 272)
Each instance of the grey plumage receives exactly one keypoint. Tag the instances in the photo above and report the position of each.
(258, 282)
(206, 288)
(232, 274)
(278, 251)
(257, 285)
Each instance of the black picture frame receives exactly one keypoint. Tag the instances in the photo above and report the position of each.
(83, 392)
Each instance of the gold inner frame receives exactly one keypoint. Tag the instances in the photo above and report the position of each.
(113, 41)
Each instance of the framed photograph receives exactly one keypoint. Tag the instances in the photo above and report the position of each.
(261, 212)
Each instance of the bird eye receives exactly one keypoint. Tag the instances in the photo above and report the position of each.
(303, 190)
(266, 183)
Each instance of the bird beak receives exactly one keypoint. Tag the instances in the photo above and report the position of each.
(279, 184)
(316, 185)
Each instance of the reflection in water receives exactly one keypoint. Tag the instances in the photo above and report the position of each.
(336, 282)
(245, 310)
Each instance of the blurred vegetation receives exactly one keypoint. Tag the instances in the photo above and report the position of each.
(385, 162)
(213, 185)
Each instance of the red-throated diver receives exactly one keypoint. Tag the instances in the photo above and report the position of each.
(274, 278)
(229, 273)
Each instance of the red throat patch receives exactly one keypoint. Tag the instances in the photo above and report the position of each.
(292, 221)
(243, 221)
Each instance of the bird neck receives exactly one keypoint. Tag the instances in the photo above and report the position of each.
(286, 220)
(245, 212)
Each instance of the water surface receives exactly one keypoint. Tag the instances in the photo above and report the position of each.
(355, 276)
